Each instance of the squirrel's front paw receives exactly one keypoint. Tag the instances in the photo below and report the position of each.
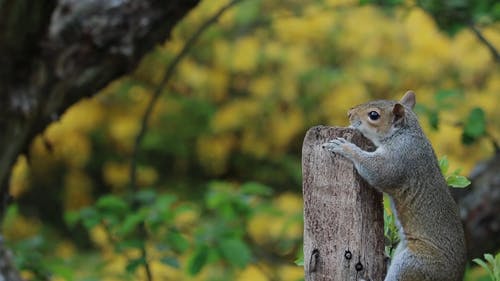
(337, 145)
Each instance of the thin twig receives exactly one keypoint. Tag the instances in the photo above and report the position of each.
(156, 94)
(149, 109)
(488, 44)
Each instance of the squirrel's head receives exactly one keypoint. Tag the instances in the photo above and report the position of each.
(379, 119)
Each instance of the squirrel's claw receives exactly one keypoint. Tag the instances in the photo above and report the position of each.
(335, 145)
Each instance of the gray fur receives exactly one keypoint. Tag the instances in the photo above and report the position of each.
(405, 167)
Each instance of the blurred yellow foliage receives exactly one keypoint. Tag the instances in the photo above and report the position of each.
(265, 228)
(123, 129)
(252, 273)
(116, 174)
(288, 202)
(83, 116)
(245, 55)
(291, 273)
(71, 146)
(262, 87)
(19, 178)
(235, 114)
(214, 151)
(65, 249)
(19, 227)
(77, 190)
(260, 84)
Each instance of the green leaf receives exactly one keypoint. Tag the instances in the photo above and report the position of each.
(248, 12)
(170, 261)
(444, 165)
(129, 244)
(299, 261)
(446, 98)
(235, 251)
(198, 260)
(71, 218)
(133, 264)
(475, 126)
(496, 267)
(485, 266)
(131, 222)
(489, 258)
(146, 196)
(255, 188)
(433, 119)
(457, 181)
(177, 241)
(90, 217)
(165, 201)
(112, 203)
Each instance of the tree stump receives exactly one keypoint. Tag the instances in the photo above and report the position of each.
(343, 215)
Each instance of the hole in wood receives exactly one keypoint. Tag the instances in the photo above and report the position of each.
(348, 255)
(313, 262)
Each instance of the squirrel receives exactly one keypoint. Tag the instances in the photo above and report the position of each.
(404, 166)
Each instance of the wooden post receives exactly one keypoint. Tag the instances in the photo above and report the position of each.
(343, 215)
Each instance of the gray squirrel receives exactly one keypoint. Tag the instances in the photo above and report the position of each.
(404, 165)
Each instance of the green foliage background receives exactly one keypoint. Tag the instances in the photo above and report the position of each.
(219, 168)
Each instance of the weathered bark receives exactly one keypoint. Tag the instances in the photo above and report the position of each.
(343, 216)
(90, 43)
(480, 208)
(54, 53)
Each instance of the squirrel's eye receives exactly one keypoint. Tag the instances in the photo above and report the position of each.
(373, 115)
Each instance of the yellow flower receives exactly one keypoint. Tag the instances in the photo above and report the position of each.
(146, 176)
(19, 227)
(258, 228)
(253, 143)
(116, 174)
(262, 86)
(289, 202)
(234, 114)
(218, 84)
(71, 146)
(222, 49)
(100, 237)
(245, 54)
(77, 190)
(429, 49)
(291, 273)
(65, 249)
(19, 179)
(342, 97)
(186, 218)
(284, 126)
(123, 130)
(252, 273)
(192, 73)
(214, 151)
(470, 58)
(83, 116)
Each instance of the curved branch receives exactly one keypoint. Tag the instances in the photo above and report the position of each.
(480, 36)
(147, 114)
(156, 94)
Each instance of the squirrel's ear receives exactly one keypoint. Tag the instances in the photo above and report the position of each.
(408, 99)
(398, 111)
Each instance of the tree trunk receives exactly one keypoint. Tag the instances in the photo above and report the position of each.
(343, 216)
(54, 53)
(480, 208)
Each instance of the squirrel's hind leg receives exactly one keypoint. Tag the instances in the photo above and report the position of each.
(405, 266)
